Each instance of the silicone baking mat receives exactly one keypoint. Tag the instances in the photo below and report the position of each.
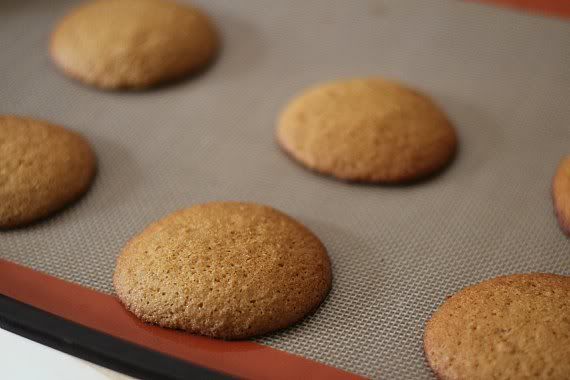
(502, 76)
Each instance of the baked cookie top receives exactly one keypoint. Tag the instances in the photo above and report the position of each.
(370, 130)
(509, 327)
(224, 269)
(43, 167)
(115, 44)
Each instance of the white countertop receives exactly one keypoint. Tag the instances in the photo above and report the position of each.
(23, 359)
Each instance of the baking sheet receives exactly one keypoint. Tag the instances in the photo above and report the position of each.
(503, 77)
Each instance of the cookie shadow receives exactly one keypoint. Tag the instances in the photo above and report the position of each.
(481, 139)
(354, 264)
(116, 177)
(67, 211)
(432, 177)
(343, 247)
(240, 48)
(479, 142)
(171, 84)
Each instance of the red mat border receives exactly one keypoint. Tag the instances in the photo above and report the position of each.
(558, 8)
(104, 313)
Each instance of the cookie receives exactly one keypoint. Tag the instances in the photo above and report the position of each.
(561, 194)
(509, 327)
(224, 269)
(133, 44)
(43, 167)
(368, 130)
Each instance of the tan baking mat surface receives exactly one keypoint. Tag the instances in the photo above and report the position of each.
(503, 77)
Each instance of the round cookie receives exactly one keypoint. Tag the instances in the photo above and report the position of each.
(509, 327)
(224, 269)
(561, 194)
(116, 44)
(369, 130)
(43, 168)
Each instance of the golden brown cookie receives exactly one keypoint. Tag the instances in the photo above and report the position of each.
(224, 269)
(43, 168)
(561, 194)
(115, 44)
(370, 130)
(509, 327)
